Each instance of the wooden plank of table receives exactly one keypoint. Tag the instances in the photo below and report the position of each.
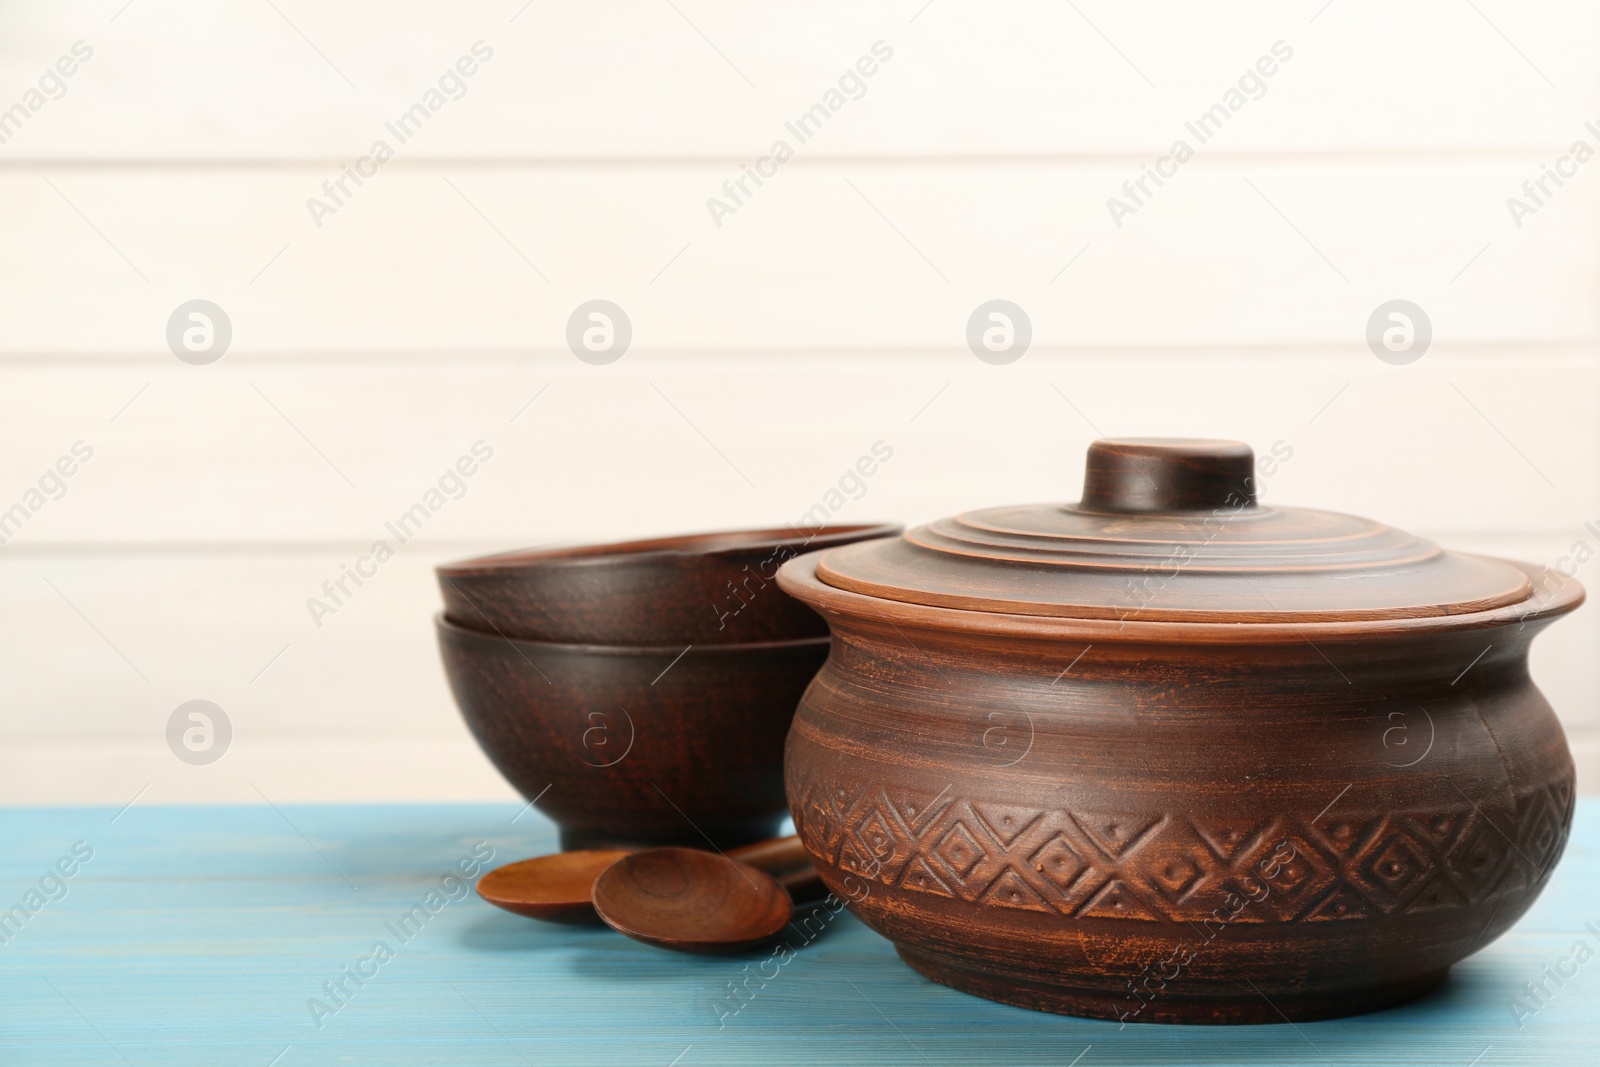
(198, 935)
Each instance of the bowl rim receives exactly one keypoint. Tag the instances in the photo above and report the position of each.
(709, 545)
(446, 625)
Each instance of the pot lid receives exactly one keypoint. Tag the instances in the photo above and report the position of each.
(1169, 529)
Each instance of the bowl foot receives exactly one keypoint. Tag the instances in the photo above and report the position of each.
(1173, 1007)
(722, 837)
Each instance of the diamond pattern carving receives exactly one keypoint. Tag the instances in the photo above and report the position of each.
(960, 851)
(1006, 823)
(1284, 875)
(1059, 863)
(1143, 866)
(1227, 837)
(1478, 858)
(1391, 864)
(1116, 832)
(921, 878)
(1010, 891)
(1117, 901)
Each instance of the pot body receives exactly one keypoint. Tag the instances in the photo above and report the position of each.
(1164, 824)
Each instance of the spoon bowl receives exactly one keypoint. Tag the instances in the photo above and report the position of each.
(554, 888)
(691, 901)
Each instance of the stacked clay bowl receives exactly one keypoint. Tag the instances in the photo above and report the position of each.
(639, 693)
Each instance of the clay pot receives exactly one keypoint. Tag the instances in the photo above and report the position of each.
(703, 588)
(1168, 755)
(625, 746)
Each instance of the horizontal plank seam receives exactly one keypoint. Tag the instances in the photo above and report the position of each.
(1212, 159)
(1581, 347)
(312, 547)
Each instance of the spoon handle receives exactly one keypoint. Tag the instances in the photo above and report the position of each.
(781, 854)
(804, 886)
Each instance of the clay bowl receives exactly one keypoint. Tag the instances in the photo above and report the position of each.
(634, 747)
(700, 589)
(1172, 755)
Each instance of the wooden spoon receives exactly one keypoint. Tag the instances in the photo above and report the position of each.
(691, 901)
(552, 888)
(558, 888)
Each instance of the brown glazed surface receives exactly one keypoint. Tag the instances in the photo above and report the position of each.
(560, 887)
(703, 588)
(557, 889)
(636, 746)
(688, 900)
(1196, 822)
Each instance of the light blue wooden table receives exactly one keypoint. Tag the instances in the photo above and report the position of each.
(198, 936)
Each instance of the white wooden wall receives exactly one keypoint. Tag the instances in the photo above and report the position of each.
(826, 313)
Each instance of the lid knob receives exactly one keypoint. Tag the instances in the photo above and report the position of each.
(1163, 474)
